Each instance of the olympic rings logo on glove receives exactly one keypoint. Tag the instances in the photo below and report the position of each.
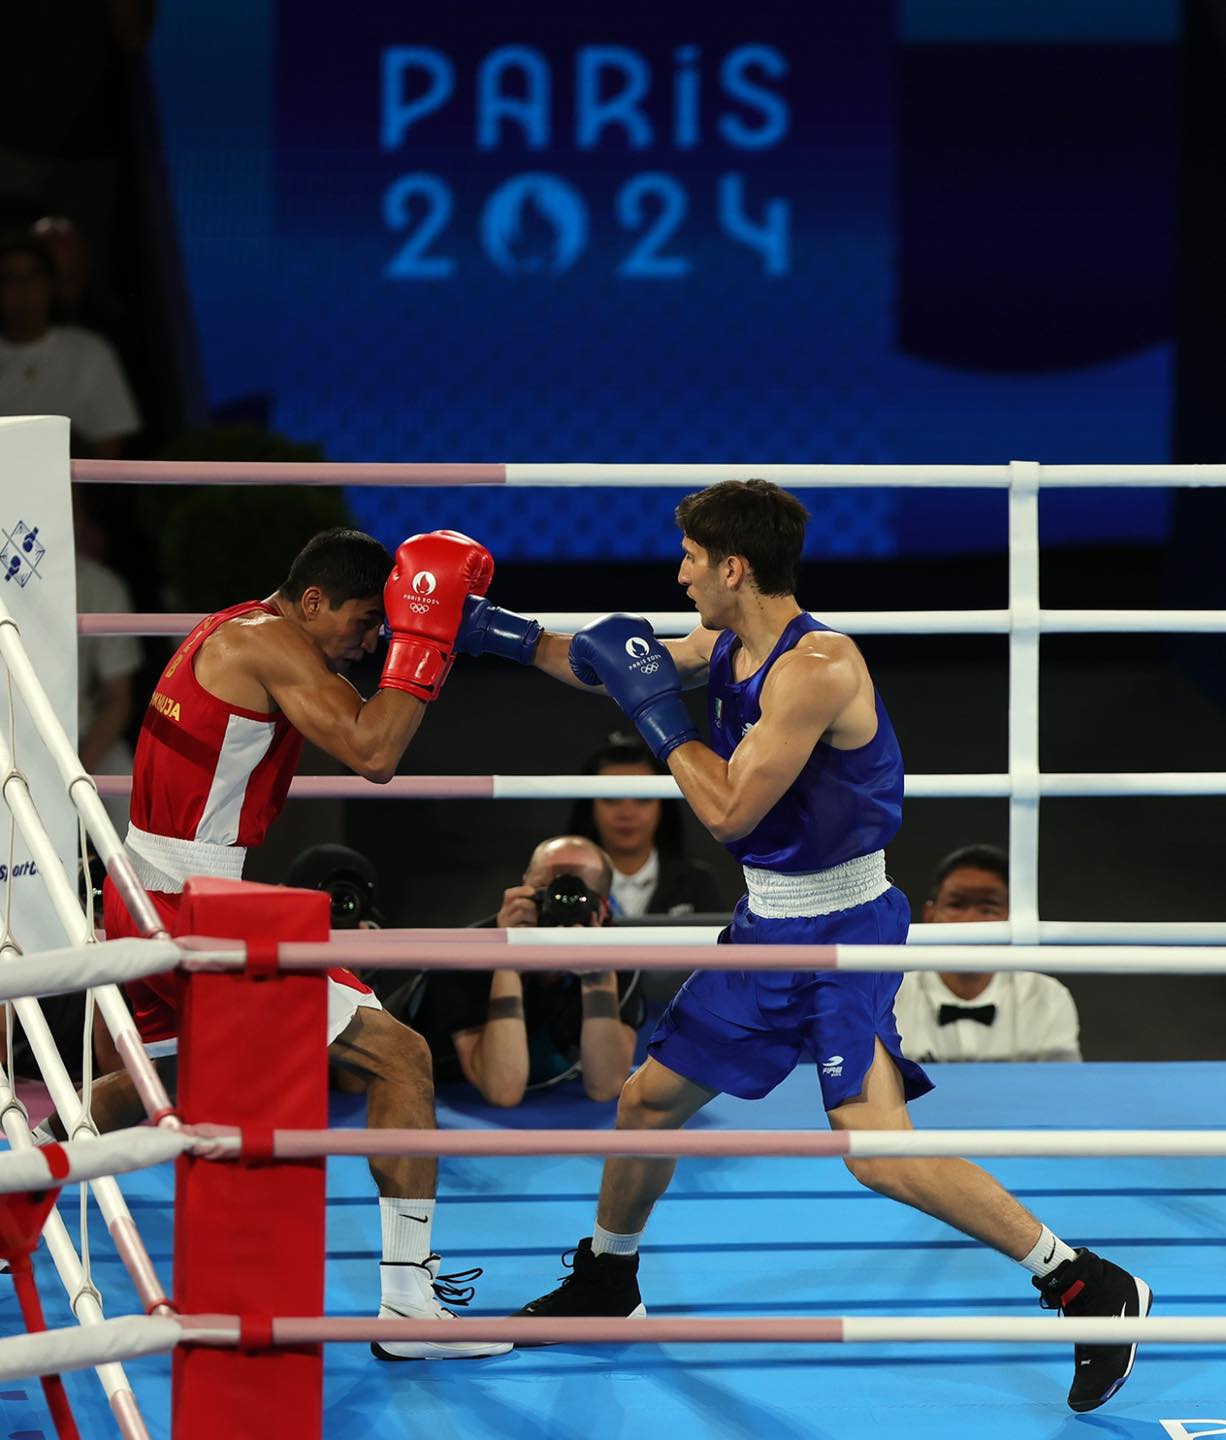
(420, 609)
(648, 669)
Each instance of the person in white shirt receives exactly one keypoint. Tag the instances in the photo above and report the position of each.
(651, 873)
(1014, 1015)
(50, 369)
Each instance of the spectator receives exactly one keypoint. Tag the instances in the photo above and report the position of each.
(50, 369)
(105, 663)
(78, 300)
(643, 838)
(1015, 1015)
(508, 1034)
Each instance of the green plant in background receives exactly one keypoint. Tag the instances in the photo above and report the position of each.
(219, 544)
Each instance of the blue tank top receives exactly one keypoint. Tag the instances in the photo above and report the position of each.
(843, 804)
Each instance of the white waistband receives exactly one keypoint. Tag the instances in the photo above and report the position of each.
(775, 896)
(163, 862)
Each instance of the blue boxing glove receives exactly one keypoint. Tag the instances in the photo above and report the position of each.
(488, 630)
(621, 653)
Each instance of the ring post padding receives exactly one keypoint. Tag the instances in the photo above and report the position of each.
(250, 1238)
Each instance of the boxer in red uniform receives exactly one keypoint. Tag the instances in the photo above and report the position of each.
(216, 753)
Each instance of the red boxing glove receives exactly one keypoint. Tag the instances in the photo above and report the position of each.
(424, 600)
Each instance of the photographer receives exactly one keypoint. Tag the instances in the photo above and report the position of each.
(350, 880)
(508, 1034)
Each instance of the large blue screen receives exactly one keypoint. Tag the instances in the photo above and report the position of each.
(788, 232)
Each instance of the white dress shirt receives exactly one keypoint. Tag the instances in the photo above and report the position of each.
(1034, 1018)
(72, 372)
(633, 891)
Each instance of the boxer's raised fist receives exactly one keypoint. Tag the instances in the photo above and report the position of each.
(424, 601)
(622, 653)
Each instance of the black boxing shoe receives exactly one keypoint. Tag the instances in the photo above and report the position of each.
(1089, 1285)
(605, 1286)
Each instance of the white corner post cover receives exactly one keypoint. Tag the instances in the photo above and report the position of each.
(39, 589)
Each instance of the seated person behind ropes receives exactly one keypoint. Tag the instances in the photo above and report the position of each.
(643, 838)
(1015, 1015)
(506, 1033)
(48, 369)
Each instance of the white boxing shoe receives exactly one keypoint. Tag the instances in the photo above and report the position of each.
(416, 1292)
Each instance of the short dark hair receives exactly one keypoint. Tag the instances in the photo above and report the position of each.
(752, 518)
(624, 748)
(31, 245)
(971, 857)
(345, 564)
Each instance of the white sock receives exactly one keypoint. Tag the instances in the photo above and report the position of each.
(1049, 1251)
(605, 1242)
(406, 1229)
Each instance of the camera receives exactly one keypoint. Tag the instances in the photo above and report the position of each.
(347, 877)
(352, 901)
(567, 900)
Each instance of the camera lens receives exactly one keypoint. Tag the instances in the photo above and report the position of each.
(567, 900)
(347, 905)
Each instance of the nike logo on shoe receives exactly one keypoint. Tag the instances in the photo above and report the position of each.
(421, 1219)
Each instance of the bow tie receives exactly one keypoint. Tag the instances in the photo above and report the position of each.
(949, 1014)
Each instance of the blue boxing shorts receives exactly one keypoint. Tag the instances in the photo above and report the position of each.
(742, 1032)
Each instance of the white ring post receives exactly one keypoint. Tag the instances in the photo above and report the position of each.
(81, 789)
(1024, 701)
(84, 1299)
(16, 794)
(80, 1126)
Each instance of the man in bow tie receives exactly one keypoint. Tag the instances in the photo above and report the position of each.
(1011, 1016)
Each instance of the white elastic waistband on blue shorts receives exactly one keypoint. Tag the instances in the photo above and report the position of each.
(776, 896)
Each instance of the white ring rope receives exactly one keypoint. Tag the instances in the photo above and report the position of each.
(850, 622)
(119, 1153)
(127, 1151)
(798, 477)
(135, 1336)
(796, 1144)
(1100, 783)
(648, 948)
(534, 949)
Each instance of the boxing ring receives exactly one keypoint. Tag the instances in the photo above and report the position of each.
(743, 1254)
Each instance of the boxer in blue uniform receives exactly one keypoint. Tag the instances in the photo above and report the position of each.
(803, 782)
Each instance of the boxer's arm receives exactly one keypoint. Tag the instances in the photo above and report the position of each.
(691, 654)
(369, 736)
(553, 657)
(804, 695)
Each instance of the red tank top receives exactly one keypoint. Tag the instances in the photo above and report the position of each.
(204, 769)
